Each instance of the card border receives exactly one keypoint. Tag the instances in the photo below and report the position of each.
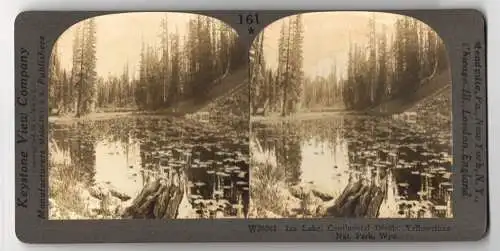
(471, 221)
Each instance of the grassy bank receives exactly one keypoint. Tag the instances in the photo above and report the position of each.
(66, 189)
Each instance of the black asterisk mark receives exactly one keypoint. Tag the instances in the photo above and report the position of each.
(251, 30)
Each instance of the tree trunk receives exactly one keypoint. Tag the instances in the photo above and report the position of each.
(159, 199)
(284, 112)
(283, 109)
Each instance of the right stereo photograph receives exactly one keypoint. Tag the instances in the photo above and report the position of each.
(350, 117)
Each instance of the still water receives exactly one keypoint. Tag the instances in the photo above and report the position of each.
(122, 151)
(413, 157)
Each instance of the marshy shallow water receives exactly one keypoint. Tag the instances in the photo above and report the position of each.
(411, 159)
(286, 168)
(125, 152)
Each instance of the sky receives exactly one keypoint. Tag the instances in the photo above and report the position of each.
(119, 39)
(326, 39)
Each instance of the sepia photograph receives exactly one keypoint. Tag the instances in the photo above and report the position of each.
(148, 119)
(350, 117)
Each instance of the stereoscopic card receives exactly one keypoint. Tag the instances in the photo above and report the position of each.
(205, 126)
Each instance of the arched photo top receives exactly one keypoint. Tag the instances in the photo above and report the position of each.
(171, 47)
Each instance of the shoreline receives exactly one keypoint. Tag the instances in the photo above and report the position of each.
(269, 118)
(109, 115)
(91, 116)
(308, 116)
(274, 117)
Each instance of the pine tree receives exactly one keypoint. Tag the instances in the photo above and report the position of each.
(125, 85)
(282, 61)
(175, 80)
(90, 61)
(296, 63)
(165, 57)
(287, 81)
(77, 69)
(55, 81)
(257, 73)
(372, 58)
(66, 93)
(382, 68)
(84, 75)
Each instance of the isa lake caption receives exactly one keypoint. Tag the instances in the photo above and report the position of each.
(352, 232)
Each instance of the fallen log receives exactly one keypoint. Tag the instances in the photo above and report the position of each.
(101, 191)
(119, 195)
(299, 191)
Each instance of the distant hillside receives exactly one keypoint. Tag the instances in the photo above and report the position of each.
(435, 86)
(229, 84)
(436, 110)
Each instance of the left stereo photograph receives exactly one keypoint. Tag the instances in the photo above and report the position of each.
(114, 150)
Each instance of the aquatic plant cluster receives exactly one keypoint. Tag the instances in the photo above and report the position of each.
(215, 161)
(314, 163)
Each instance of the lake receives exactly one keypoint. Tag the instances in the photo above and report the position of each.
(122, 152)
(411, 158)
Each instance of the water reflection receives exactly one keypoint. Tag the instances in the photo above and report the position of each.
(124, 152)
(327, 160)
(118, 163)
(410, 161)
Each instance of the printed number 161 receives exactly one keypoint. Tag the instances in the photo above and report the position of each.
(249, 19)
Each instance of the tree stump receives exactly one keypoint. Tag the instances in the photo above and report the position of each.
(359, 199)
(160, 198)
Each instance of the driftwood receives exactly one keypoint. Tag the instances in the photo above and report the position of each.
(101, 192)
(119, 195)
(359, 199)
(159, 199)
(301, 191)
